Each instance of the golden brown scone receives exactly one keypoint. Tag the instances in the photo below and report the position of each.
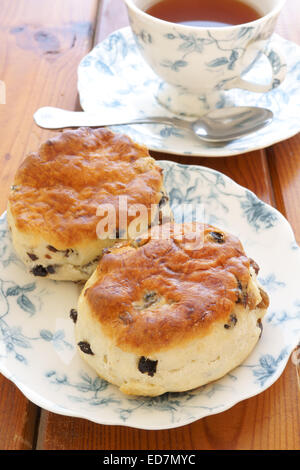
(57, 190)
(158, 316)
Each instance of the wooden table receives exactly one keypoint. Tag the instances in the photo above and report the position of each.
(41, 44)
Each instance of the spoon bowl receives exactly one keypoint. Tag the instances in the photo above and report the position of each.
(219, 125)
(227, 124)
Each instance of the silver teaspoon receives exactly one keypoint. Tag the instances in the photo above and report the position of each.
(219, 125)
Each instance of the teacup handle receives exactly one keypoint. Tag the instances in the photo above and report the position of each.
(278, 64)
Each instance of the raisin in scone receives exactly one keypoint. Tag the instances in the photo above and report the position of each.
(161, 314)
(52, 208)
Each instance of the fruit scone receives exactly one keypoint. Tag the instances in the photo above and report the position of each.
(53, 203)
(163, 314)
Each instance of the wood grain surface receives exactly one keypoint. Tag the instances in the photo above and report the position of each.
(41, 44)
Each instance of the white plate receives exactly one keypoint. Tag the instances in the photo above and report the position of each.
(37, 346)
(113, 78)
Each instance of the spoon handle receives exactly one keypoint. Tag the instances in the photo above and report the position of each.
(55, 118)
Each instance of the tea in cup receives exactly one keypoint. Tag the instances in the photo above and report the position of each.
(199, 48)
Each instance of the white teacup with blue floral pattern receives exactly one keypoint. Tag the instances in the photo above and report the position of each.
(196, 64)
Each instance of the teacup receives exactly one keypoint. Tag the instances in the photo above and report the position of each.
(197, 63)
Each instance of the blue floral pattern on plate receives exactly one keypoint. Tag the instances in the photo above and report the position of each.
(37, 344)
(113, 77)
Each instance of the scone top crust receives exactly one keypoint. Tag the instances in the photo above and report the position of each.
(57, 190)
(153, 294)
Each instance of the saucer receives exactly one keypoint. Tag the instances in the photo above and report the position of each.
(114, 79)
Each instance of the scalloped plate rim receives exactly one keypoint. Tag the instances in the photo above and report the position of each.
(38, 400)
